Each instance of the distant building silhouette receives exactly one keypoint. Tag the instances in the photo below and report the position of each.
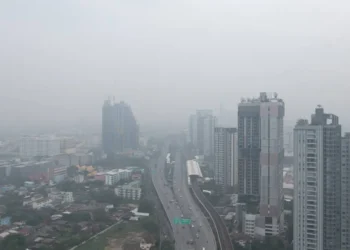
(120, 130)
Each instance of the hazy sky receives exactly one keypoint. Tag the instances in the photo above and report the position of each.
(60, 59)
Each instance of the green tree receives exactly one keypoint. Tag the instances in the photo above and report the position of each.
(146, 206)
(72, 171)
(100, 215)
(14, 242)
(167, 245)
(149, 225)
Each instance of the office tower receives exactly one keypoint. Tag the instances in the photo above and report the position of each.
(261, 152)
(31, 146)
(317, 185)
(120, 130)
(201, 131)
(225, 152)
(345, 193)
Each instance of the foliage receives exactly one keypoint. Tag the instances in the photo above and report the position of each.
(149, 225)
(270, 243)
(70, 186)
(13, 242)
(146, 206)
(106, 196)
(72, 171)
(100, 215)
(167, 245)
(77, 217)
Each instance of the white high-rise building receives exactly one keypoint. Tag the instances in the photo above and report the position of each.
(225, 152)
(201, 131)
(317, 183)
(31, 146)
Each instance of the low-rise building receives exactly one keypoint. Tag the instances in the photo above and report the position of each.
(114, 176)
(130, 191)
(42, 203)
(248, 226)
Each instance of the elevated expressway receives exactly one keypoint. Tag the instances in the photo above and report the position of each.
(200, 229)
(222, 236)
(167, 198)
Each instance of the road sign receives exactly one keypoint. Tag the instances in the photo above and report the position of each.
(181, 221)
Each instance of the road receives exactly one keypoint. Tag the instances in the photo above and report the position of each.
(182, 233)
(201, 230)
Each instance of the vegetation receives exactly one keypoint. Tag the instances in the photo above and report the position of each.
(146, 206)
(167, 245)
(13, 242)
(149, 225)
(117, 231)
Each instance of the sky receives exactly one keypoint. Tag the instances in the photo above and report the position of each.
(59, 60)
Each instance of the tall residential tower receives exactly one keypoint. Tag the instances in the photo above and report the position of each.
(317, 178)
(345, 193)
(201, 131)
(225, 152)
(261, 152)
(120, 130)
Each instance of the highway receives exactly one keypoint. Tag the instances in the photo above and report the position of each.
(225, 242)
(182, 233)
(200, 228)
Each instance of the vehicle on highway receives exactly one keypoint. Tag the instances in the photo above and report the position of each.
(197, 235)
(192, 226)
(182, 215)
(180, 196)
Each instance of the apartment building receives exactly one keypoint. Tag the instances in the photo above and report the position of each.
(317, 182)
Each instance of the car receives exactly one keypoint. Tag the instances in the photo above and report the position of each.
(197, 235)
(192, 226)
(182, 215)
(180, 196)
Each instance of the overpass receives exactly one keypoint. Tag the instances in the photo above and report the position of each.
(220, 231)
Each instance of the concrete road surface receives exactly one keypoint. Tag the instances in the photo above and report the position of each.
(200, 228)
(182, 233)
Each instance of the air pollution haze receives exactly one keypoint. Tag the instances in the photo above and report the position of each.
(61, 59)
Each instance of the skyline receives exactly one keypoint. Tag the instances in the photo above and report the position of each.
(65, 58)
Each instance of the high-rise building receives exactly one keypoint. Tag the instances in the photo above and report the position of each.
(317, 183)
(120, 130)
(249, 147)
(225, 152)
(31, 146)
(261, 152)
(345, 193)
(201, 131)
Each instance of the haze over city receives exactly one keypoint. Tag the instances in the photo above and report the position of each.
(61, 59)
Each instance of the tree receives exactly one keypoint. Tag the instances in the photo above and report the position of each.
(72, 171)
(100, 215)
(14, 242)
(149, 225)
(146, 206)
(167, 245)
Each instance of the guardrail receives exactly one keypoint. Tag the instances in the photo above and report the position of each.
(223, 235)
(205, 211)
(163, 208)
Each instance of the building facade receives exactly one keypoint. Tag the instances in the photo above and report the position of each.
(225, 152)
(261, 153)
(120, 130)
(130, 191)
(32, 146)
(317, 183)
(249, 147)
(201, 131)
(345, 193)
(114, 176)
